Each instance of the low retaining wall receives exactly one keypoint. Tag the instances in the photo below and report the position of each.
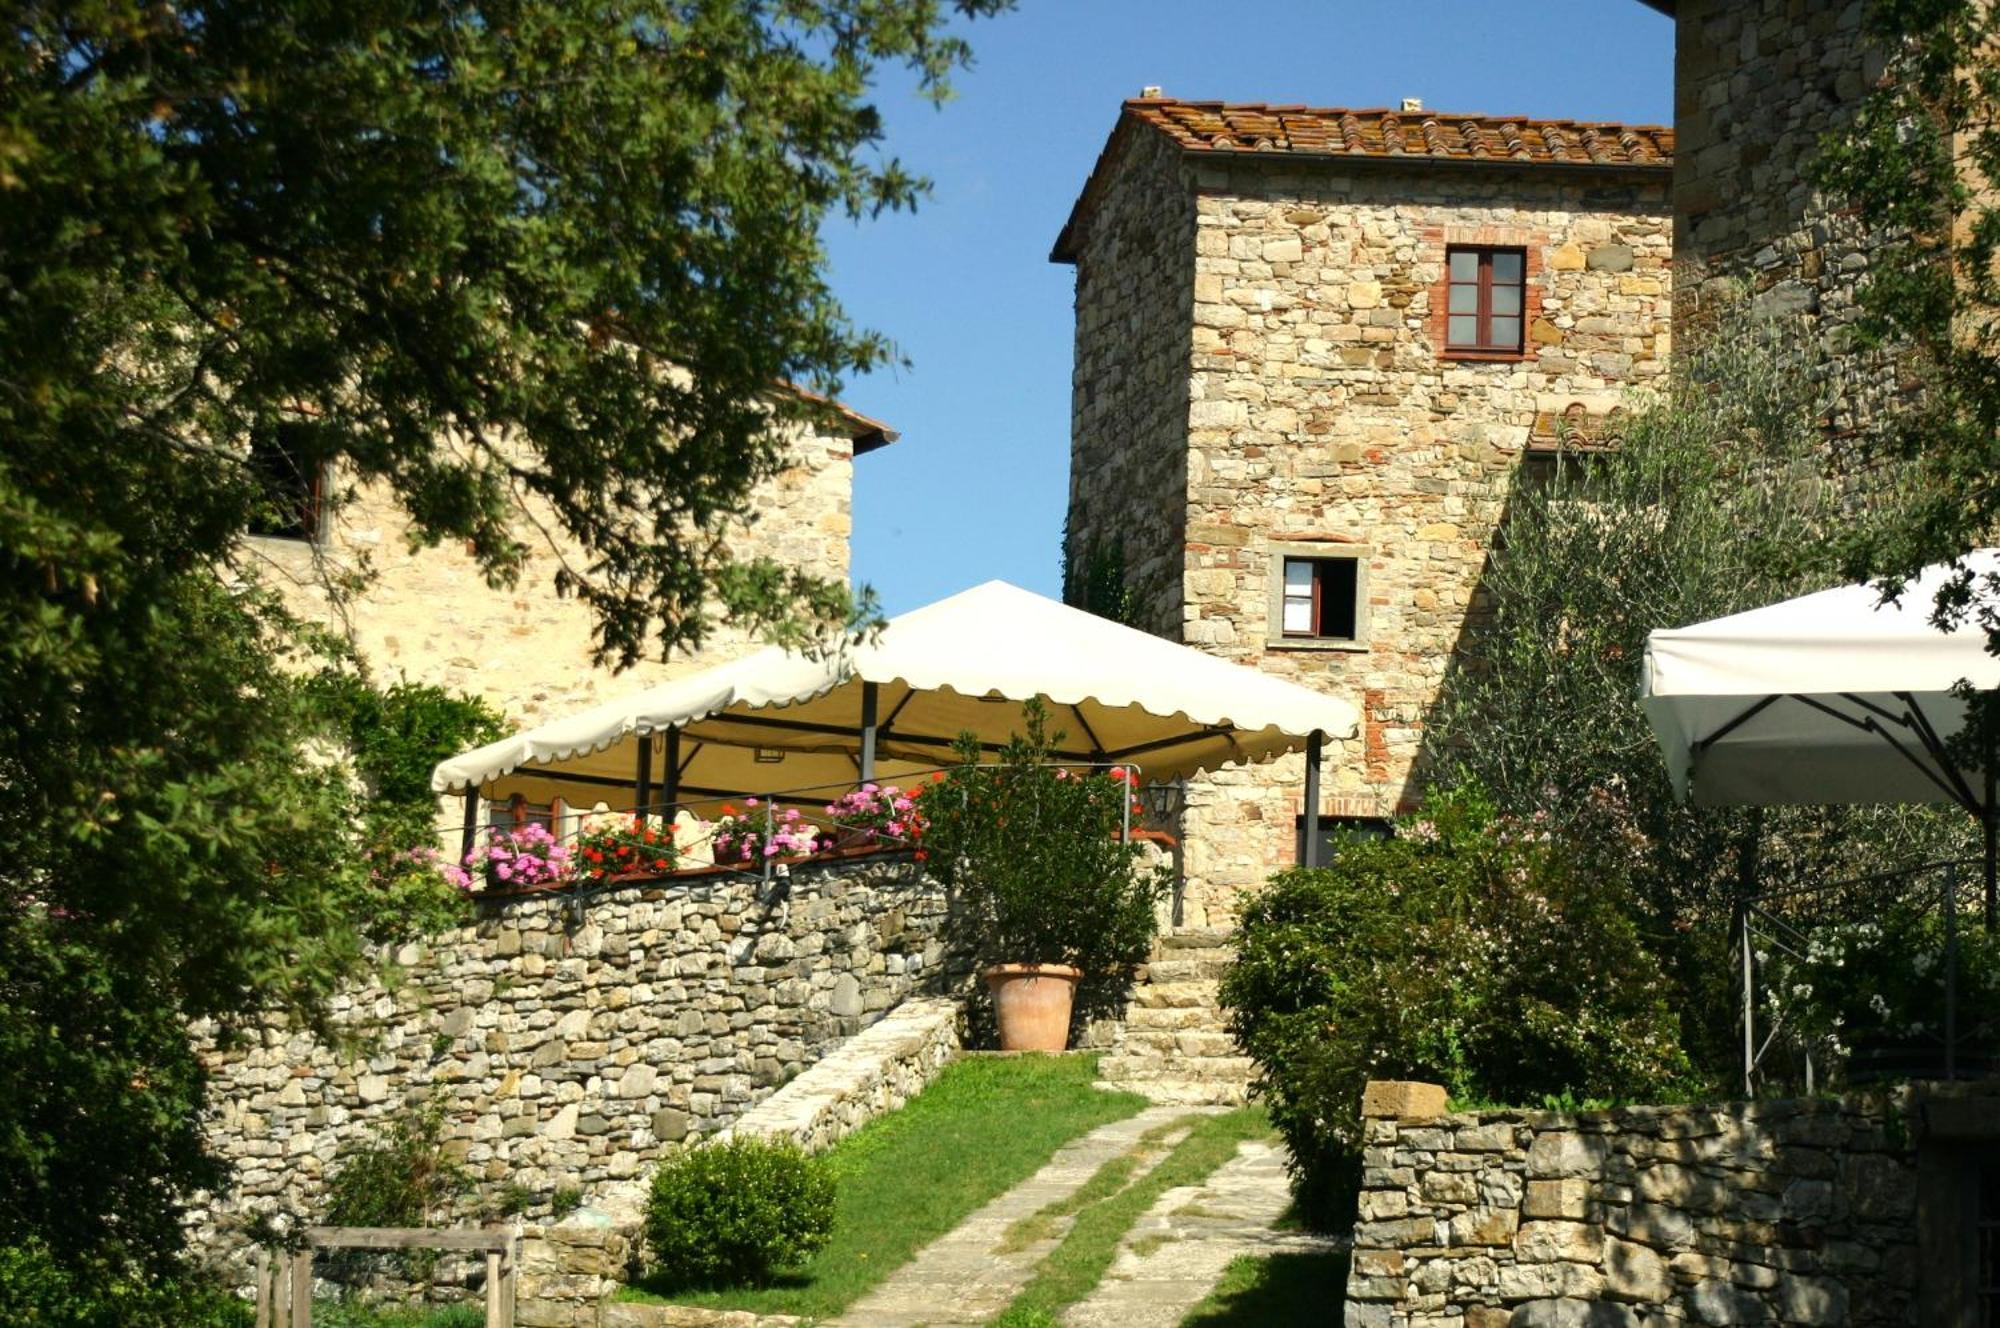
(571, 1038)
(568, 1269)
(1849, 1211)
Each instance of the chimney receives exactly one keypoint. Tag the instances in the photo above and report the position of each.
(1413, 104)
(1150, 91)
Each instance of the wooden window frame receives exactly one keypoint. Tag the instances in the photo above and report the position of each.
(1485, 348)
(1319, 555)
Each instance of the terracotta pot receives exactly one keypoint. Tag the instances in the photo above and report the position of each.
(1032, 1002)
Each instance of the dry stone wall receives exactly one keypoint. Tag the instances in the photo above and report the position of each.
(1804, 1212)
(571, 1038)
(1315, 414)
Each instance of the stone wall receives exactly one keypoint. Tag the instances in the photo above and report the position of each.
(1757, 85)
(1824, 1211)
(1322, 418)
(428, 615)
(572, 1037)
(569, 1269)
(1129, 381)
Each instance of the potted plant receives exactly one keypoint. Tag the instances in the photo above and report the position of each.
(521, 858)
(1048, 889)
(758, 831)
(617, 846)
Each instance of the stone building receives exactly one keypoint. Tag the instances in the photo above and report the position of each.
(1757, 85)
(1313, 348)
(428, 615)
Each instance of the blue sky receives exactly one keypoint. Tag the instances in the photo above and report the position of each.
(976, 488)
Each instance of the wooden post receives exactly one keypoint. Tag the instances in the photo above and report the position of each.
(471, 821)
(264, 1289)
(494, 1300)
(642, 778)
(509, 1259)
(869, 699)
(670, 773)
(1309, 848)
(302, 1289)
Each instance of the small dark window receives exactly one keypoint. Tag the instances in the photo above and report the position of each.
(1484, 300)
(1334, 831)
(291, 480)
(1322, 598)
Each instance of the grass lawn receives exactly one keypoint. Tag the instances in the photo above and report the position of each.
(1275, 1291)
(1074, 1267)
(985, 1125)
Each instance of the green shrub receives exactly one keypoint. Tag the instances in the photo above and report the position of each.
(37, 1291)
(733, 1213)
(1036, 854)
(1470, 950)
(402, 1177)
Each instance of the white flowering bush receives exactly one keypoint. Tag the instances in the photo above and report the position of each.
(1880, 984)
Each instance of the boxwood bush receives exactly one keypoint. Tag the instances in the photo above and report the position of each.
(1471, 950)
(735, 1212)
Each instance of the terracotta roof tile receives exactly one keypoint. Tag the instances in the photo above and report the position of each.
(1214, 126)
(1412, 138)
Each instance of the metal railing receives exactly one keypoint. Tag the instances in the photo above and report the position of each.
(1782, 924)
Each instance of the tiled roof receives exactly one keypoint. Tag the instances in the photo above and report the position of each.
(1214, 126)
(1412, 138)
(867, 433)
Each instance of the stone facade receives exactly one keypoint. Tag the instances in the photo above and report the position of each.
(428, 615)
(573, 1036)
(1826, 1211)
(1295, 398)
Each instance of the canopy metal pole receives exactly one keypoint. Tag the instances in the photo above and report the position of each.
(471, 821)
(670, 772)
(643, 777)
(1951, 968)
(1309, 848)
(1989, 816)
(869, 701)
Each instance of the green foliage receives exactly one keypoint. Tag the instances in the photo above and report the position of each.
(1472, 950)
(983, 1126)
(736, 1212)
(1719, 499)
(566, 1200)
(1035, 852)
(402, 1177)
(1093, 579)
(1911, 163)
(579, 246)
(1880, 984)
(354, 1313)
(38, 1291)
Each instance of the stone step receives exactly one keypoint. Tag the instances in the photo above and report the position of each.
(1184, 1092)
(1139, 1065)
(1196, 938)
(1174, 1017)
(1178, 1042)
(1177, 996)
(1206, 968)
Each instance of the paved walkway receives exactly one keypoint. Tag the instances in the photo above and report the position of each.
(969, 1275)
(1174, 1255)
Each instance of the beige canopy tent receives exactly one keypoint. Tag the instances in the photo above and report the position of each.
(779, 723)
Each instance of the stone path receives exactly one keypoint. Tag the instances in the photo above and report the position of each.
(1174, 1255)
(964, 1277)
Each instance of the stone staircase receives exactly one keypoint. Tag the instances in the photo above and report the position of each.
(1174, 1046)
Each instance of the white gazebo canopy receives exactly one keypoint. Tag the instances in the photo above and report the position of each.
(1828, 698)
(779, 722)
